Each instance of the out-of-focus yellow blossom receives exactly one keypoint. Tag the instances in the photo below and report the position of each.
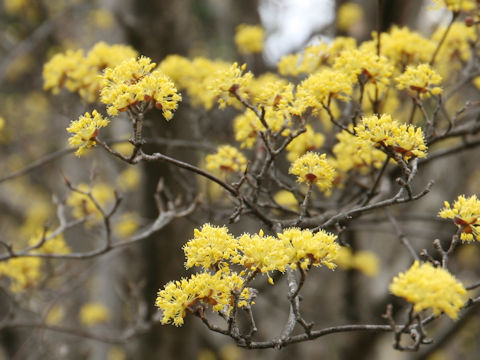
(101, 18)
(127, 225)
(314, 169)
(306, 249)
(249, 39)
(308, 141)
(133, 81)
(287, 199)
(15, 7)
(377, 70)
(353, 153)
(56, 245)
(365, 261)
(465, 214)
(428, 287)
(79, 73)
(2, 123)
(227, 158)
(94, 313)
(246, 127)
(193, 76)
(456, 5)
(226, 82)
(55, 315)
(23, 272)
(129, 179)
(405, 140)
(404, 47)
(320, 88)
(116, 353)
(262, 253)
(230, 352)
(124, 148)
(210, 246)
(349, 14)
(85, 131)
(455, 51)
(83, 206)
(314, 57)
(420, 80)
(214, 290)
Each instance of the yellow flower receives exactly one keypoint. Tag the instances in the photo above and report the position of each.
(466, 215)
(210, 246)
(348, 15)
(320, 88)
(314, 169)
(94, 313)
(133, 81)
(228, 81)
(262, 253)
(85, 131)
(249, 39)
(23, 272)
(83, 206)
(56, 245)
(306, 248)
(287, 199)
(127, 225)
(405, 140)
(365, 261)
(420, 80)
(129, 179)
(457, 5)
(227, 159)
(428, 287)
(308, 141)
(214, 290)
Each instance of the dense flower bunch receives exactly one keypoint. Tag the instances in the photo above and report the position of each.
(403, 139)
(465, 213)
(214, 248)
(364, 261)
(135, 81)
(420, 80)
(85, 131)
(80, 73)
(227, 159)
(229, 81)
(429, 287)
(313, 168)
(249, 39)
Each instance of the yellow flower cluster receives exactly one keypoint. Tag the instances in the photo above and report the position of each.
(56, 245)
(228, 81)
(320, 88)
(23, 272)
(429, 287)
(457, 5)
(79, 73)
(210, 246)
(308, 141)
(365, 261)
(306, 249)
(287, 199)
(227, 159)
(465, 214)
(214, 248)
(133, 81)
(85, 131)
(94, 313)
(403, 139)
(405, 47)
(420, 80)
(314, 169)
(349, 14)
(249, 39)
(353, 153)
(83, 206)
(314, 57)
(376, 69)
(215, 290)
